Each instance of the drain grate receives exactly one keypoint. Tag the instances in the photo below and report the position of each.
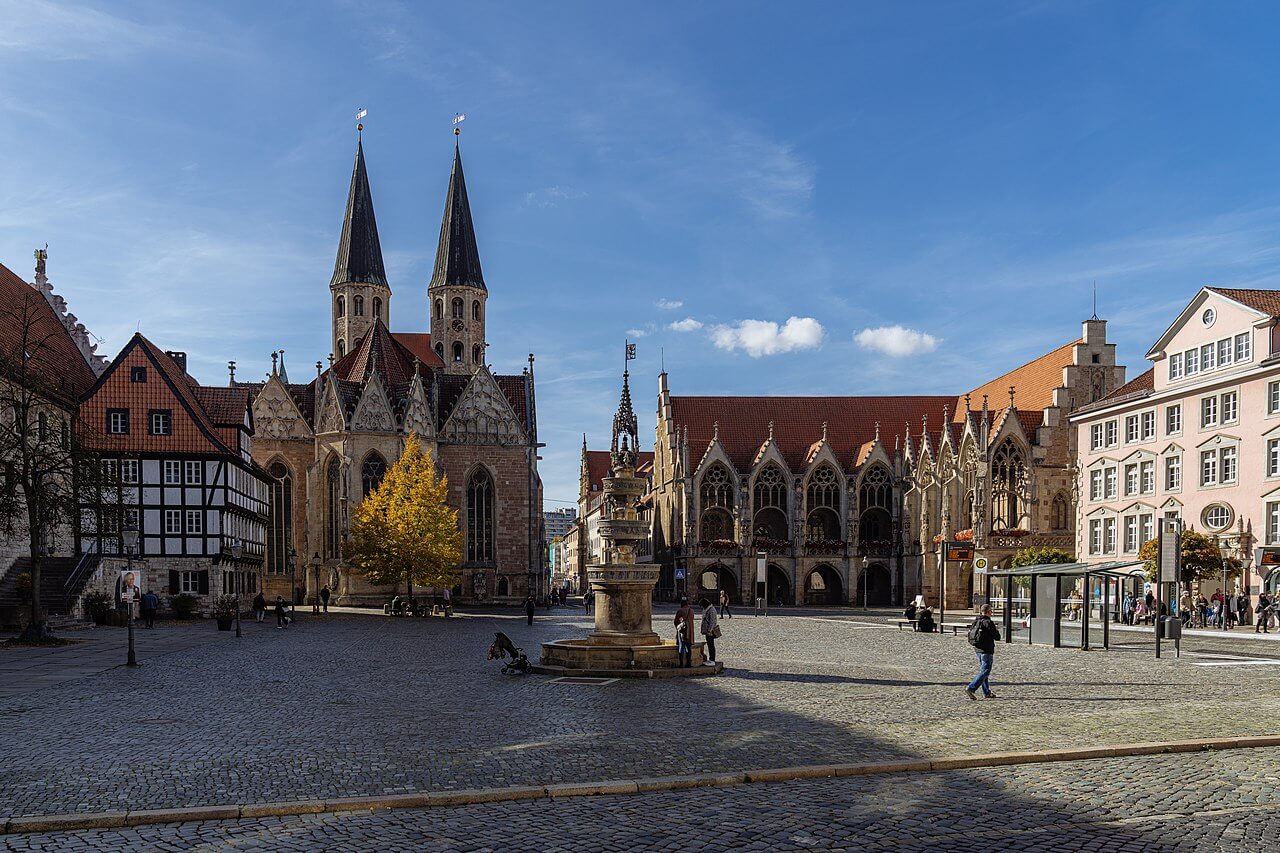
(583, 679)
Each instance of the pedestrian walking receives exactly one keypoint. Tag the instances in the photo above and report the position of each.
(282, 618)
(983, 634)
(710, 628)
(150, 604)
(1263, 613)
(529, 607)
(684, 633)
(324, 597)
(724, 604)
(588, 599)
(259, 606)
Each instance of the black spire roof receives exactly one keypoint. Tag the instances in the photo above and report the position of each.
(359, 252)
(457, 258)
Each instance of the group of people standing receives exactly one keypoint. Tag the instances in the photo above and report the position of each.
(709, 629)
(1198, 611)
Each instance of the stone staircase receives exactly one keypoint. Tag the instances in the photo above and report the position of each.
(62, 579)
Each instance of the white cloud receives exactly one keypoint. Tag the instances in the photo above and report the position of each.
(896, 341)
(636, 333)
(670, 304)
(550, 196)
(688, 324)
(762, 337)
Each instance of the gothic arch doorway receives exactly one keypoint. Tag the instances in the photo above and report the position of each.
(779, 588)
(823, 587)
(876, 583)
(716, 578)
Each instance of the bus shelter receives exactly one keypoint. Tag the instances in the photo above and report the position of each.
(1051, 594)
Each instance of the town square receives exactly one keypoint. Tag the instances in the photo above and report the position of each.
(588, 427)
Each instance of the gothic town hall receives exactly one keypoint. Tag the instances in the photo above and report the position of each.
(327, 443)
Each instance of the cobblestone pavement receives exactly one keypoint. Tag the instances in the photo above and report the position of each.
(1215, 801)
(359, 705)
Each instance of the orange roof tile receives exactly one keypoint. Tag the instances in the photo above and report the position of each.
(419, 343)
(1266, 301)
(1034, 383)
(28, 323)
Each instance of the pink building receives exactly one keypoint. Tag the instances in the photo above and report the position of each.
(1196, 437)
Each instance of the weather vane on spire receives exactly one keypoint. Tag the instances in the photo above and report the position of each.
(360, 114)
(458, 118)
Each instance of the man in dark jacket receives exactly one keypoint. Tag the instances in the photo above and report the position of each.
(982, 636)
(324, 597)
(528, 608)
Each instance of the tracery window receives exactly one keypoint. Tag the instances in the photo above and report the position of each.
(823, 499)
(358, 305)
(1061, 512)
(280, 532)
(1008, 474)
(439, 309)
(716, 496)
(770, 499)
(457, 307)
(480, 517)
(333, 537)
(342, 306)
(876, 491)
(875, 502)
(372, 472)
(475, 310)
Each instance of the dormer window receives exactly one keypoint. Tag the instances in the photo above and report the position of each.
(137, 374)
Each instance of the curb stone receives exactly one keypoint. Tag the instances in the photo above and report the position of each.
(438, 799)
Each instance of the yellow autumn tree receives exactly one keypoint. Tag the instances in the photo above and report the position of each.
(404, 531)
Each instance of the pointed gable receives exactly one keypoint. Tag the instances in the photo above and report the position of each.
(28, 322)
(373, 412)
(359, 252)
(457, 257)
(162, 387)
(483, 415)
(277, 414)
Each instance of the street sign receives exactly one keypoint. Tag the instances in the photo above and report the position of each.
(1267, 557)
(980, 564)
(679, 573)
(762, 568)
(959, 552)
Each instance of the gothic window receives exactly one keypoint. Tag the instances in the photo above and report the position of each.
(1061, 512)
(42, 426)
(457, 307)
(280, 533)
(770, 497)
(342, 347)
(439, 309)
(475, 354)
(457, 351)
(342, 307)
(440, 351)
(504, 587)
(875, 501)
(823, 499)
(717, 500)
(1008, 474)
(377, 307)
(333, 532)
(372, 472)
(358, 306)
(480, 517)
(475, 310)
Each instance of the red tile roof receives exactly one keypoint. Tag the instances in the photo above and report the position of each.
(419, 343)
(28, 323)
(1034, 383)
(797, 423)
(1266, 301)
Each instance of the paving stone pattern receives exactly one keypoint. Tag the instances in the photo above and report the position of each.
(1217, 801)
(359, 705)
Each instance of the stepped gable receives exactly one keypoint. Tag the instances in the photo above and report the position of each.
(797, 423)
(1266, 301)
(57, 362)
(1139, 386)
(1034, 382)
(419, 343)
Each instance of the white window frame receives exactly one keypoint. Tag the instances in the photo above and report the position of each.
(1244, 346)
(129, 470)
(1095, 536)
(173, 522)
(1096, 437)
(1112, 428)
(172, 472)
(189, 582)
(193, 472)
(1173, 472)
(1273, 397)
(1130, 429)
(1208, 468)
(1191, 359)
(1226, 352)
(118, 422)
(1146, 528)
(1208, 412)
(1147, 477)
(1147, 430)
(1110, 475)
(1228, 464)
(1130, 534)
(1096, 491)
(1131, 479)
(1109, 534)
(1229, 407)
(1173, 419)
(195, 522)
(1175, 366)
(1273, 522)
(1273, 457)
(1208, 357)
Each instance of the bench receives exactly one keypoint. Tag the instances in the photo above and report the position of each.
(947, 626)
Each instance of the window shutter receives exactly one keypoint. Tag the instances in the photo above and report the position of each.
(173, 582)
(204, 582)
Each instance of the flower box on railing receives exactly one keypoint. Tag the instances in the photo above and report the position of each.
(718, 546)
(1010, 531)
(824, 546)
(773, 546)
(964, 535)
(875, 547)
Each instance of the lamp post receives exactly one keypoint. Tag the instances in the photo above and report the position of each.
(130, 537)
(237, 551)
(293, 575)
(315, 590)
(1223, 551)
(866, 563)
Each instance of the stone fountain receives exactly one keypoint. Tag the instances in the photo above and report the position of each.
(623, 643)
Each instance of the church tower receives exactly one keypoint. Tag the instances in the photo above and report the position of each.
(457, 293)
(359, 293)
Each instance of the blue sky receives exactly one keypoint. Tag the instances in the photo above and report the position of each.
(964, 171)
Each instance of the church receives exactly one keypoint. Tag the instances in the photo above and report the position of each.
(327, 442)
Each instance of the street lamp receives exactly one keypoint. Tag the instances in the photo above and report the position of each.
(866, 563)
(130, 537)
(1224, 550)
(293, 580)
(315, 590)
(237, 551)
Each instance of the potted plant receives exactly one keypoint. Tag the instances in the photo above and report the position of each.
(224, 611)
(98, 606)
(183, 605)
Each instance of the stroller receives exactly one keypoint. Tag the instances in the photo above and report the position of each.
(503, 648)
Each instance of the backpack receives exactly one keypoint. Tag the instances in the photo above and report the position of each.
(976, 632)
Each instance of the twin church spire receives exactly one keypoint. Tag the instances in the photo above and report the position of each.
(361, 295)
